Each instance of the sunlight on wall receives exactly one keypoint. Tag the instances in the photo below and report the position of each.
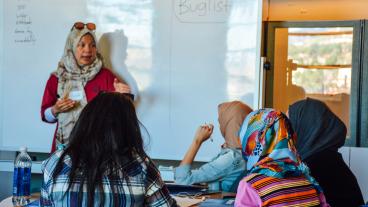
(241, 43)
(135, 19)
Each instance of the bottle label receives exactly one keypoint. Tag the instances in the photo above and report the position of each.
(15, 182)
(22, 181)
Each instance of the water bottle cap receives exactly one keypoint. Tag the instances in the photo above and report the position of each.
(23, 149)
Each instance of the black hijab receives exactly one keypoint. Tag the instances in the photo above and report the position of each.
(316, 126)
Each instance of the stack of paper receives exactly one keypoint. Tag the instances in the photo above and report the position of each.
(187, 201)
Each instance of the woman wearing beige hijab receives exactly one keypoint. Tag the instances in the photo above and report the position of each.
(80, 76)
(225, 170)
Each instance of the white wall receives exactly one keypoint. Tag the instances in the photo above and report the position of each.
(359, 166)
(1, 60)
(356, 159)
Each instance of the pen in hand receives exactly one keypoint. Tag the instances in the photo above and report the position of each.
(211, 126)
(208, 126)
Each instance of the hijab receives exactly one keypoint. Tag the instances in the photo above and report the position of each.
(72, 76)
(230, 116)
(268, 146)
(316, 126)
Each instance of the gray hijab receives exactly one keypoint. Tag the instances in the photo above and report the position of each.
(316, 126)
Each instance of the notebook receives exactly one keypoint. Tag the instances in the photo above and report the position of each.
(217, 203)
(189, 190)
(186, 201)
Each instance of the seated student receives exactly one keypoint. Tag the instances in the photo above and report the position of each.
(276, 175)
(320, 134)
(105, 163)
(225, 170)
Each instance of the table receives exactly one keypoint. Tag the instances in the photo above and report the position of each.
(185, 202)
(7, 202)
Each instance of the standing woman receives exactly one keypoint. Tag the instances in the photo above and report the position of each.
(276, 175)
(320, 134)
(226, 169)
(80, 76)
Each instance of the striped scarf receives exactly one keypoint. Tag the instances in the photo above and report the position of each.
(277, 192)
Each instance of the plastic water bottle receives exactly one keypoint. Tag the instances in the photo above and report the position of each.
(22, 178)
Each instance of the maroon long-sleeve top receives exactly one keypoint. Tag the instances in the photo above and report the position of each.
(103, 81)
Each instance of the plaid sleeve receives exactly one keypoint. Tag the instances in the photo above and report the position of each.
(47, 168)
(157, 193)
(45, 199)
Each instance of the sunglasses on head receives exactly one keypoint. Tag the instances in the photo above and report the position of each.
(81, 25)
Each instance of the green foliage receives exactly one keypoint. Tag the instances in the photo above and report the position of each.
(319, 50)
(316, 81)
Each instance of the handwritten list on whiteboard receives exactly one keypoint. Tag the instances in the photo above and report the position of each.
(23, 32)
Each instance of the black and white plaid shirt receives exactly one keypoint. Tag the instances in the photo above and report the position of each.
(144, 186)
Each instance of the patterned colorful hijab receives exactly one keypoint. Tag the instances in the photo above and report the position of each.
(73, 77)
(268, 146)
(230, 117)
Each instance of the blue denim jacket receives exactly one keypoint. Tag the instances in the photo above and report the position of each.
(223, 172)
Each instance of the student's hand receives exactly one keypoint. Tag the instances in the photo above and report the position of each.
(121, 87)
(62, 105)
(203, 133)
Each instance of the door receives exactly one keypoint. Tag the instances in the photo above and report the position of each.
(320, 60)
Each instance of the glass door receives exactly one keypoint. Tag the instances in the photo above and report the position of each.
(315, 59)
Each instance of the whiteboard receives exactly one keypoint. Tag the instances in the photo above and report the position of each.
(181, 57)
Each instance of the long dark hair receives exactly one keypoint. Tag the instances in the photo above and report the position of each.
(105, 139)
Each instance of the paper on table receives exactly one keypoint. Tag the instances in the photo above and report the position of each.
(186, 201)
